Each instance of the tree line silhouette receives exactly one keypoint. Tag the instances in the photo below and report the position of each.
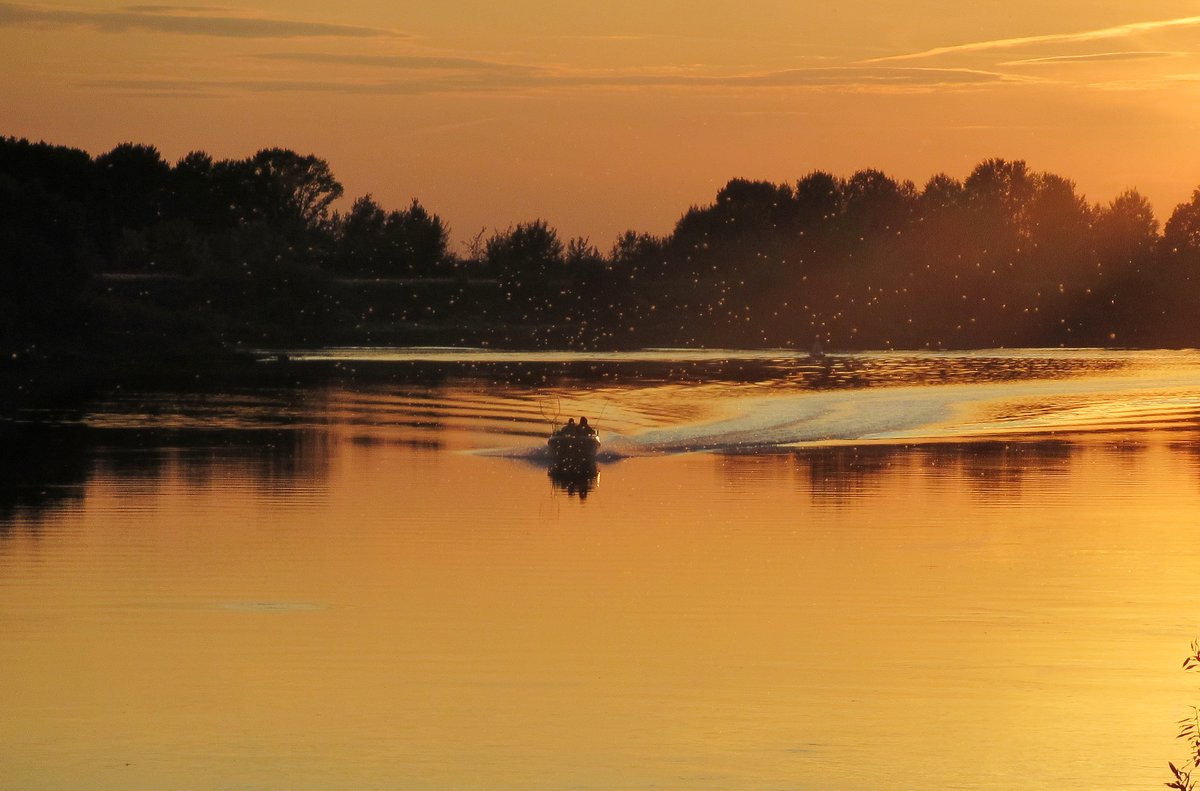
(126, 252)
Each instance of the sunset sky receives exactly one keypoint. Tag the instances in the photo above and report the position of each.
(620, 114)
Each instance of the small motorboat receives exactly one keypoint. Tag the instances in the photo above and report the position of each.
(573, 452)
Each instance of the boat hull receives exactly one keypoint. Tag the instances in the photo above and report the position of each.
(573, 454)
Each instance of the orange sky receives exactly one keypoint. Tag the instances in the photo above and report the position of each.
(620, 114)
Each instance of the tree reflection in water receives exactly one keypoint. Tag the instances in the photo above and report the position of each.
(993, 470)
(47, 468)
(42, 470)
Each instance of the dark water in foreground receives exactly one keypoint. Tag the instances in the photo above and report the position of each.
(888, 571)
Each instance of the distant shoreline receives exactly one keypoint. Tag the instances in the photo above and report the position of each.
(29, 390)
(125, 268)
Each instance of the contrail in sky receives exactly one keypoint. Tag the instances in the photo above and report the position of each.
(1118, 31)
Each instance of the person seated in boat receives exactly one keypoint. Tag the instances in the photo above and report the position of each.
(569, 430)
(584, 429)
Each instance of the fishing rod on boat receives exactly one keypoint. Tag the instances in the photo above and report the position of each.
(553, 421)
(600, 417)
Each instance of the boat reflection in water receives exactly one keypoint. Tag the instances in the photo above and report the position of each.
(577, 482)
(573, 459)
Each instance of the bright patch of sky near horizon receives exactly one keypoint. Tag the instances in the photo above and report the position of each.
(621, 114)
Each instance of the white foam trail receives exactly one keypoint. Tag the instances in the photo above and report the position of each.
(807, 417)
(1167, 394)
(933, 412)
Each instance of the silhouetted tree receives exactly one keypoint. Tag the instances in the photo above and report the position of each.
(819, 198)
(875, 204)
(582, 254)
(638, 255)
(997, 193)
(58, 170)
(819, 202)
(1181, 236)
(279, 186)
(133, 180)
(1125, 230)
(199, 195)
(362, 243)
(942, 195)
(944, 233)
(1006, 257)
(405, 243)
(420, 240)
(41, 267)
(529, 248)
(1057, 219)
(743, 209)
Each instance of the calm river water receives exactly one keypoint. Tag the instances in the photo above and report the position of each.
(895, 571)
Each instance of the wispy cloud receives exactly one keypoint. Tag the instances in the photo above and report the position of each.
(437, 129)
(1100, 34)
(183, 9)
(1095, 57)
(167, 94)
(181, 20)
(608, 37)
(854, 76)
(482, 81)
(404, 62)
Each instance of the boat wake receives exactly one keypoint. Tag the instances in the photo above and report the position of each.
(1146, 392)
(934, 413)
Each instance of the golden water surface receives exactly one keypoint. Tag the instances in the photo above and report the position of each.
(973, 581)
